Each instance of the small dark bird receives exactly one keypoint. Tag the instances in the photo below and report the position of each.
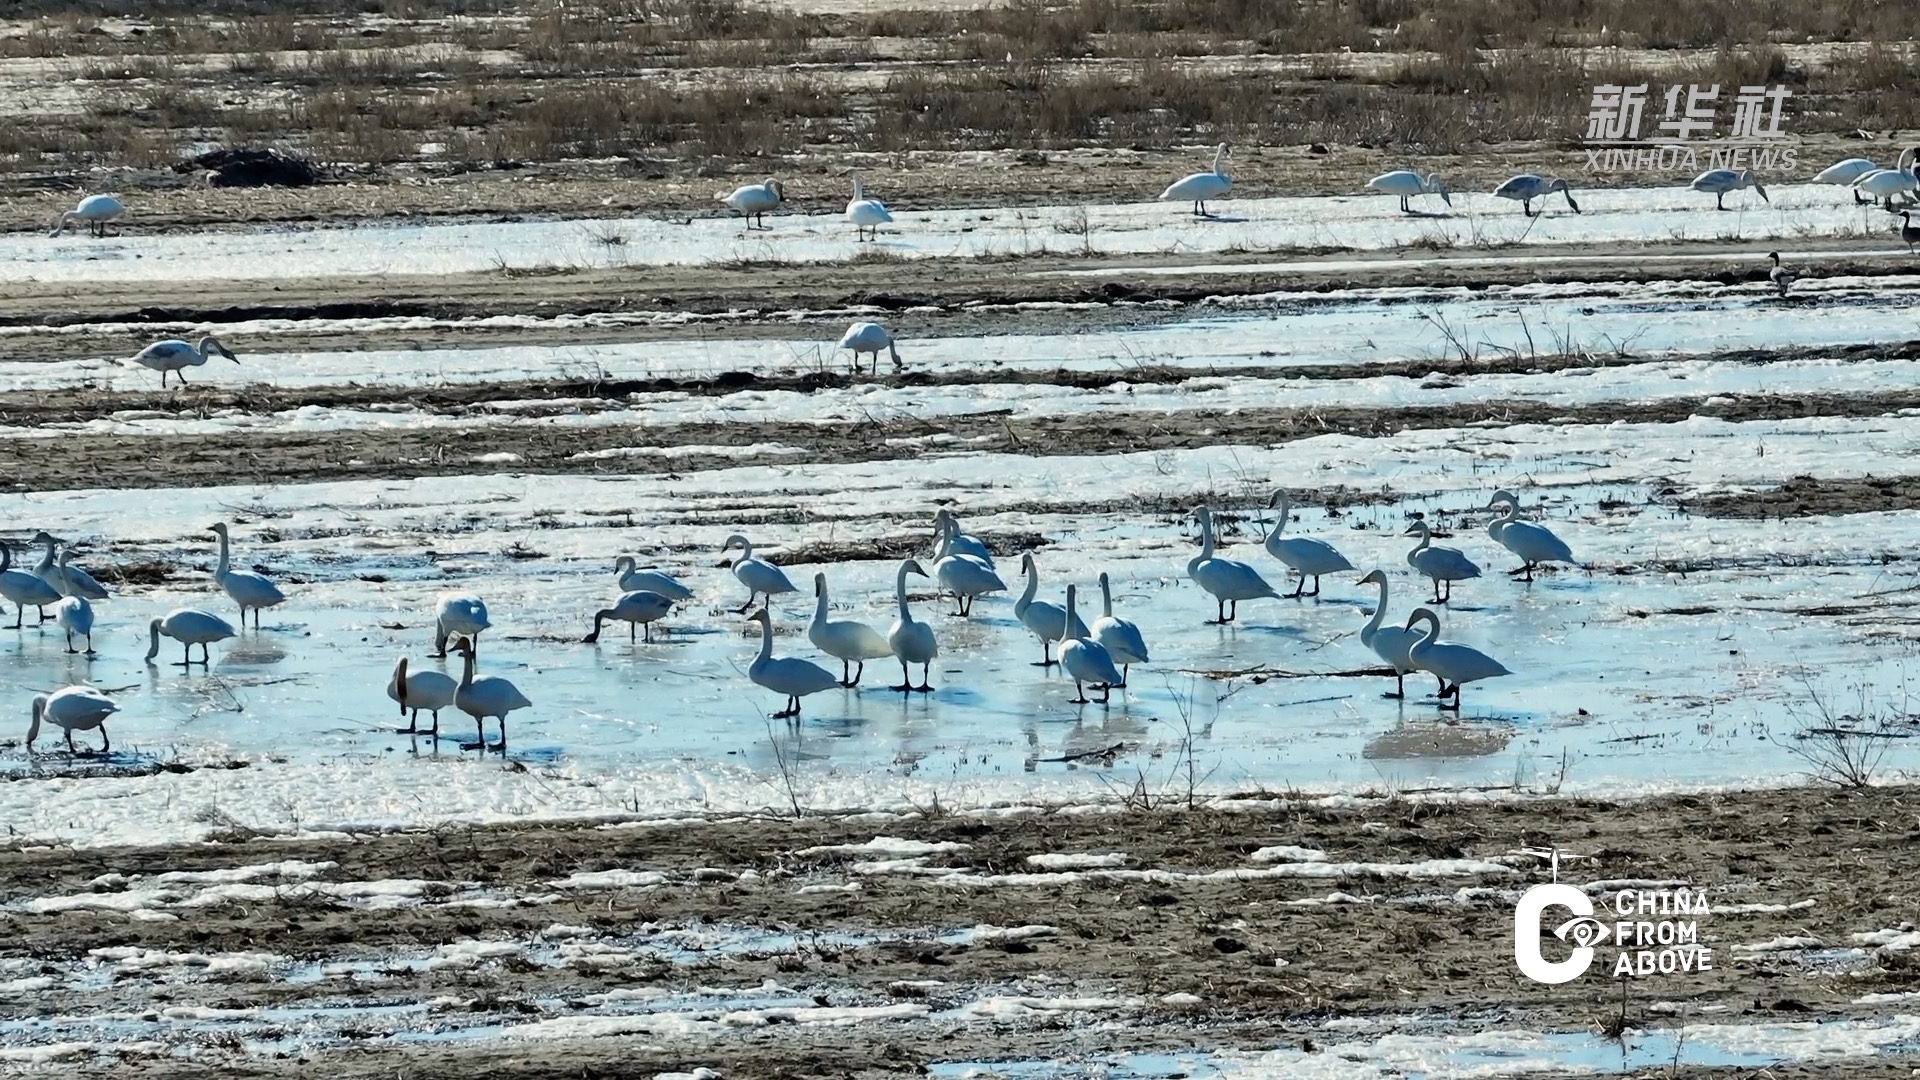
(1909, 232)
(1782, 277)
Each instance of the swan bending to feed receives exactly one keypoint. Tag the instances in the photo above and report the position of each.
(1406, 183)
(637, 609)
(1903, 179)
(484, 697)
(789, 675)
(1307, 557)
(845, 640)
(966, 577)
(1452, 663)
(1120, 637)
(73, 581)
(754, 200)
(418, 691)
(188, 627)
(1533, 543)
(866, 214)
(1527, 187)
(24, 590)
(94, 211)
(946, 525)
(911, 641)
(1844, 173)
(1047, 621)
(757, 574)
(1389, 643)
(458, 615)
(176, 356)
(73, 612)
(1229, 581)
(1719, 182)
(1087, 661)
(1782, 277)
(1197, 188)
(248, 589)
(653, 581)
(75, 708)
(1439, 563)
(869, 337)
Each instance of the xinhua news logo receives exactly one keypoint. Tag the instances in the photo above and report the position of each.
(1688, 138)
(1647, 931)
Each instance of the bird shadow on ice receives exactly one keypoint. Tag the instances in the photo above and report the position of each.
(1221, 219)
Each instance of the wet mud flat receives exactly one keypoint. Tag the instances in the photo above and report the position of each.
(879, 944)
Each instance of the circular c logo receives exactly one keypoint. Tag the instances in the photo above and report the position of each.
(1526, 933)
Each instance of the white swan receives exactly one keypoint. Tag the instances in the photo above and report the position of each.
(869, 337)
(188, 627)
(965, 576)
(754, 200)
(1844, 173)
(1087, 661)
(653, 581)
(1782, 277)
(845, 640)
(1527, 187)
(866, 214)
(75, 708)
(94, 211)
(945, 524)
(636, 608)
(1230, 582)
(758, 575)
(75, 582)
(484, 697)
(73, 612)
(1718, 182)
(1047, 621)
(1449, 661)
(1307, 557)
(1120, 637)
(1439, 563)
(24, 590)
(789, 675)
(1389, 643)
(1533, 543)
(176, 356)
(1197, 188)
(911, 641)
(1902, 179)
(248, 589)
(458, 615)
(1406, 183)
(418, 691)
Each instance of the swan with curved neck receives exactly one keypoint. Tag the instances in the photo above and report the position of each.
(1120, 637)
(250, 590)
(757, 574)
(1389, 643)
(24, 590)
(788, 675)
(845, 640)
(1048, 622)
(1306, 556)
(188, 627)
(480, 698)
(173, 357)
(1229, 581)
(74, 581)
(1534, 544)
(1439, 563)
(911, 641)
(1197, 188)
(459, 615)
(1087, 661)
(1452, 663)
(73, 612)
(75, 708)
(418, 691)
(947, 527)
(636, 609)
(653, 581)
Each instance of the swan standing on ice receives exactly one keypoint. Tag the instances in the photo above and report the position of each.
(1527, 187)
(967, 577)
(1533, 543)
(1718, 182)
(1902, 179)
(653, 581)
(1087, 661)
(1782, 277)
(24, 590)
(845, 640)
(1844, 173)
(481, 698)
(946, 525)
(1406, 183)
(1120, 637)
(1439, 563)
(1452, 663)
(176, 356)
(758, 575)
(189, 628)
(73, 581)
(911, 641)
(1047, 621)
(458, 615)
(95, 211)
(430, 691)
(1197, 188)
(248, 589)
(866, 214)
(754, 200)
(75, 708)
(1229, 581)
(73, 612)
(1307, 557)
(637, 608)
(789, 675)
(1389, 643)
(869, 337)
